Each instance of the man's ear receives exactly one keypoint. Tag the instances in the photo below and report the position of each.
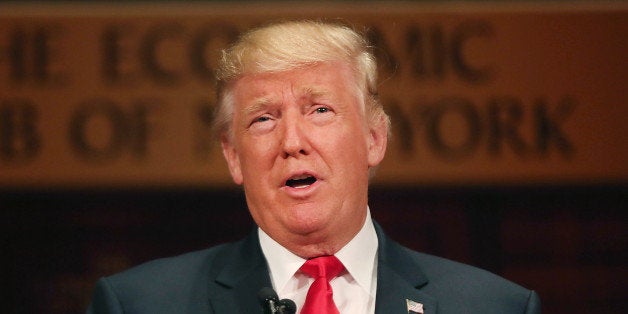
(232, 158)
(377, 141)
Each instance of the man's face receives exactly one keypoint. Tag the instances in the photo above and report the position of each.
(302, 149)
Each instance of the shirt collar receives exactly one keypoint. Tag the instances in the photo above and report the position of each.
(283, 264)
(359, 255)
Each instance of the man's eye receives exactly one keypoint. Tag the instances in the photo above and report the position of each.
(322, 110)
(262, 119)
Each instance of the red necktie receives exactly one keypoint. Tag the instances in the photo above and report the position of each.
(319, 298)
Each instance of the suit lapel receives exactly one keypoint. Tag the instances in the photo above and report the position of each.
(242, 273)
(399, 278)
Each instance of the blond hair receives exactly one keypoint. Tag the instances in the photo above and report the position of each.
(291, 45)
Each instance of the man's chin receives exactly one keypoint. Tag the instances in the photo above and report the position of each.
(307, 229)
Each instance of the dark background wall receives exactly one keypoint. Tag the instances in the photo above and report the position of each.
(567, 242)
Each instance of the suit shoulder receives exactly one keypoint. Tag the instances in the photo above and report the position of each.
(467, 284)
(172, 276)
(453, 286)
(176, 266)
(440, 269)
(165, 285)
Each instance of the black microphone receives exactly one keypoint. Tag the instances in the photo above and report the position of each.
(268, 299)
(287, 306)
(272, 305)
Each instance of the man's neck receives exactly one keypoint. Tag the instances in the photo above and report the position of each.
(362, 247)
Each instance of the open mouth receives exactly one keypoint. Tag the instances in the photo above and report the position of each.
(300, 182)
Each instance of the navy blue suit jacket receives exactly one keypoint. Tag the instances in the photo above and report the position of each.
(226, 279)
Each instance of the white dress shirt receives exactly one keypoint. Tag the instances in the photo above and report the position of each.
(354, 290)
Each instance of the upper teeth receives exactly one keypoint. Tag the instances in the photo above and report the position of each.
(300, 177)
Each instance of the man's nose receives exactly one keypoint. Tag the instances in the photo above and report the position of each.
(294, 140)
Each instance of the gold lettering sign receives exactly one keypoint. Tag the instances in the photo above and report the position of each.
(122, 95)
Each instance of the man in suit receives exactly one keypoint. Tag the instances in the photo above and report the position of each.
(302, 131)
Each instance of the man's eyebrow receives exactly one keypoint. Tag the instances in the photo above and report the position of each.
(264, 102)
(256, 105)
(315, 92)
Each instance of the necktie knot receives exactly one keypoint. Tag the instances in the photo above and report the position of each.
(323, 267)
(319, 299)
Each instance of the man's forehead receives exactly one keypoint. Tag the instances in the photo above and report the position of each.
(258, 97)
(326, 81)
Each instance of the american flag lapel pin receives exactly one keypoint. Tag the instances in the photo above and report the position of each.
(414, 307)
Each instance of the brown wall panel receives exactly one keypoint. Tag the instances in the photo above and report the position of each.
(122, 95)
